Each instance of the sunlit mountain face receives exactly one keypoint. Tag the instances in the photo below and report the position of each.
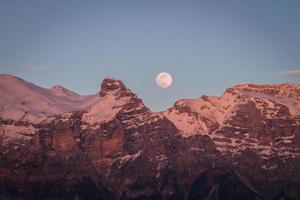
(149, 100)
(57, 144)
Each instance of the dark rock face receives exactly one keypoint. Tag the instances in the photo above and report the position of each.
(110, 85)
(138, 154)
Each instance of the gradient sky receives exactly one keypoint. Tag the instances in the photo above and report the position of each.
(207, 46)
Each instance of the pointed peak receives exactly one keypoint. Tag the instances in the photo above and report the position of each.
(110, 85)
(57, 87)
(61, 91)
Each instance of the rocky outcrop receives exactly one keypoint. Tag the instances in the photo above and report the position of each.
(255, 127)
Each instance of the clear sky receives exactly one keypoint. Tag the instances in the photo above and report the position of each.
(207, 46)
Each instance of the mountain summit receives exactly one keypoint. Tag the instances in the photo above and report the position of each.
(109, 85)
(56, 144)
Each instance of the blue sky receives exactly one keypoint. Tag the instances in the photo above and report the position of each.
(207, 46)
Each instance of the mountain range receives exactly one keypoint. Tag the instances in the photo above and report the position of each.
(57, 144)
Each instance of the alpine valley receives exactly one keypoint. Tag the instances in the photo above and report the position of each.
(56, 144)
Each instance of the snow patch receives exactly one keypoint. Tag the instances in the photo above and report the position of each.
(131, 157)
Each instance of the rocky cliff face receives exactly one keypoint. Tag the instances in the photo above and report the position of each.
(242, 145)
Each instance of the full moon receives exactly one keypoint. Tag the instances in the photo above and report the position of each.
(164, 80)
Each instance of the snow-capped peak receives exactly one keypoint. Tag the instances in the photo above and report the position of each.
(204, 114)
(113, 97)
(21, 100)
(286, 94)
